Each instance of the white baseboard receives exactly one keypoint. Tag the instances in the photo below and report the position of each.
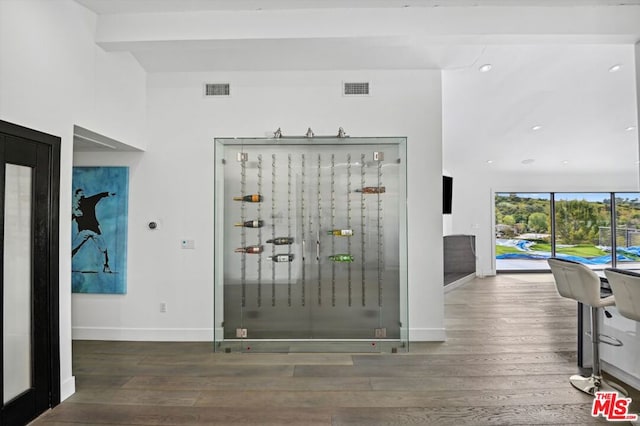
(144, 334)
(205, 334)
(458, 283)
(67, 388)
(427, 335)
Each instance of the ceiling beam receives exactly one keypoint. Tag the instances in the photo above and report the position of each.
(446, 25)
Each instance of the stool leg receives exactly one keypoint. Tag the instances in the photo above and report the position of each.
(596, 373)
(594, 383)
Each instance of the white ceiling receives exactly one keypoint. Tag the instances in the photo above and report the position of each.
(582, 108)
(550, 58)
(147, 6)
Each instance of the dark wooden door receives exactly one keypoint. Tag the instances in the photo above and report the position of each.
(29, 194)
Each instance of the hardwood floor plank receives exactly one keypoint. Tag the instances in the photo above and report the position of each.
(101, 414)
(249, 383)
(136, 397)
(470, 384)
(438, 371)
(421, 360)
(192, 369)
(249, 359)
(534, 324)
(511, 332)
(386, 398)
(509, 340)
(459, 348)
(476, 416)
(137, 348)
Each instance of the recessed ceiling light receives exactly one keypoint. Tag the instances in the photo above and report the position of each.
(565, 162)
(536, 127)
(489, 161)
(485, 68)
(630, 128)
(528, 161)
(615, 68)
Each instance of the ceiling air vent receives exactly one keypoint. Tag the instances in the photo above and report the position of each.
(217, 89)
(356, 89)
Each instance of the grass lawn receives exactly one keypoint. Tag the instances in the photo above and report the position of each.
(505, 249)
(582, 250)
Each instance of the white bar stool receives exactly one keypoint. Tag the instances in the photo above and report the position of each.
(626, 289)
(576, 281)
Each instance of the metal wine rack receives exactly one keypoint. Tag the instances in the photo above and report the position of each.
(259, 290)
(243, 233)
(273, 227)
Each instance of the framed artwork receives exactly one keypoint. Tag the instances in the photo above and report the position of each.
(99, 230)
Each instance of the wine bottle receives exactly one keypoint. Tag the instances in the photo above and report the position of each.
(253, 198)
(281, 241)
(249, 249)
(341, 258)
(251, 224)
(281, 257)
(372, 190)
(341, 232)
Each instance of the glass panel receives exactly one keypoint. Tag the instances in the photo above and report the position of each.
(583, 228)
(523, 231)
(628, 230)
(17, 281)
(311, 250)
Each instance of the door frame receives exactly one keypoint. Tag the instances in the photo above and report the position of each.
(51, 145)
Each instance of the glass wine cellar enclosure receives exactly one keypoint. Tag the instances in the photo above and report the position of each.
(310, 244)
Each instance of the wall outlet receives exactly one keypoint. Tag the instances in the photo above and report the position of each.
(163, 307)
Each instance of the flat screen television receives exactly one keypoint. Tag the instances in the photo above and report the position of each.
(447, 194)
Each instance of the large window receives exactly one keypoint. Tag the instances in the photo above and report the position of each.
(583, 228)
(628, 230)
(531, 227)
(523, 231)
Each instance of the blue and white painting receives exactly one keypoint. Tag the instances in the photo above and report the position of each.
(99, 230)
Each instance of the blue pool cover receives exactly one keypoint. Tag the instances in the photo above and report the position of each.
(623, 254)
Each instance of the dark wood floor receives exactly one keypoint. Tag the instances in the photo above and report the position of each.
(510, 350)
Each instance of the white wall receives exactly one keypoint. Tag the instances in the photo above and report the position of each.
(637, 65)
(53, 76)
(173, 182)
